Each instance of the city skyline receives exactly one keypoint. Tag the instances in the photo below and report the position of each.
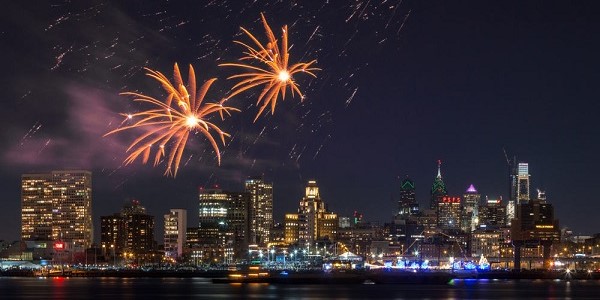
(403, 84)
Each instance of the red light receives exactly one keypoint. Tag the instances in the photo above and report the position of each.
(59, 245)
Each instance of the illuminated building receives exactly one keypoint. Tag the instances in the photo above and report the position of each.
(57, 206)
(224, 225)
(112, 232)
(139, 229)
(470, 210)
(313, 221)
(344, 222)
(175, 233)
(238, 222)
(438, 189)
(492, 214)
(510, 212)
(449, 212)
(486, 242)
(407, 205)
(212, 225)
(522, 182)
(534, 225)
(261, 210)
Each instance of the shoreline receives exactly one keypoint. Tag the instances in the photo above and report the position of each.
(355, 277)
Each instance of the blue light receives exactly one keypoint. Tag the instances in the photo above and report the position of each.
(470, 266)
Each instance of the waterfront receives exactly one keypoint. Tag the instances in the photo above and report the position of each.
(202, 288)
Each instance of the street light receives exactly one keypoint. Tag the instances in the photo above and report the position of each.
(273, 254)
(114, 256)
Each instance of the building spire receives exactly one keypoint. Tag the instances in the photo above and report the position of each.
(439, 174)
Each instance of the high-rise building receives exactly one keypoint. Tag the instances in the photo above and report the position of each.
(313, 221)
(470, 212)
(438, 189)
(523, 182)
(407, 205)
(57, 206)
(212, 226)
(224, 225)
(449, 213)
(261, 210)
(175, 233)
(139, 229)
(238, 222)
(112, 234)
(534, 224)
(492, 214)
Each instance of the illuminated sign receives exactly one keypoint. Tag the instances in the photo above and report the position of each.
(544, 226)
(451, 199)
(59, 246)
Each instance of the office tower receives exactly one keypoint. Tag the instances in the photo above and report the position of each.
(313, 221)
(492, 214)
(238, 222)
(224, 225)
(261, 210)
(57, 206)
(534, 224)
(212, 226)
(407, 205)
(175, 233)
(523, 182)
(438, 189)
(449, 213)
(470, 210)
(139, 229)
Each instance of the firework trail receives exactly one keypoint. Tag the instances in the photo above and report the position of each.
(170, 123)
(275, 74)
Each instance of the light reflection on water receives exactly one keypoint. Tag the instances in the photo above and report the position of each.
(201, 288)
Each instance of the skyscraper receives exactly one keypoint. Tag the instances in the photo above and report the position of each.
(407, 205)
(175, 233)
(493, 213)
(57, 206)
(449, 213)
(470, 217)
(212, 226)
(238, 222)
(313, 221)
(139, 229)
(438, 189)
(522, 182)
(261, 210)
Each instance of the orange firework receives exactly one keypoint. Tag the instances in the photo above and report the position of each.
(170, 123)
(276, 76)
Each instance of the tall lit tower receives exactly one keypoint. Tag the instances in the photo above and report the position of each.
(212, 226)
(470, 209)
(407, 205)
(57, 206)
(522, 182)
(261, 210)
(175, 232)
(313, 221)
(438, 189)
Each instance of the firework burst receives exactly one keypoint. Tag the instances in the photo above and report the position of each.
(169, 124)
(275, 73)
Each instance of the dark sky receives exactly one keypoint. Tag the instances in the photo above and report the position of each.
(403, 84)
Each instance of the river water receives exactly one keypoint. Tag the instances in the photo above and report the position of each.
(201, 288)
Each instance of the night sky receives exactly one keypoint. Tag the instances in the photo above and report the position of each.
(403, 84)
